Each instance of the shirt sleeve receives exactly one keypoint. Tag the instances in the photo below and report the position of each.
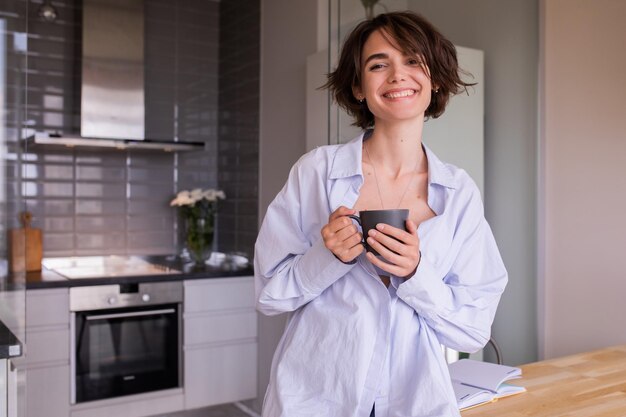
(460, 303)
(290, 267)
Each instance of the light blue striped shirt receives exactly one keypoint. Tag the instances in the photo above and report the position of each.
(351, 342)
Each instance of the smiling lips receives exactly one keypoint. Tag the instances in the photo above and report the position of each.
(399, 93)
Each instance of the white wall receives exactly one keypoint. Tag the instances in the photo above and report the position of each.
(288, 36)
(507, 31)
(458, 136)
(584, 163)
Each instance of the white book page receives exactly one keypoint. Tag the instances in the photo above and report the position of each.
(468, 396)
(505, 390)
(482, 374)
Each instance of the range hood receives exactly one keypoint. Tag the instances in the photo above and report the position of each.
(112, 84)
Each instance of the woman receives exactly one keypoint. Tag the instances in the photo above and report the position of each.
(364, 334)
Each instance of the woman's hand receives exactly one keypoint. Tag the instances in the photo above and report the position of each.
(406, 246)
(341, 236)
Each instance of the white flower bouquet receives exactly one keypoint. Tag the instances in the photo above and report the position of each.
(197, 210)
(190, 198)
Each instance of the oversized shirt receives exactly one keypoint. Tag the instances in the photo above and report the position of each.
(350, 342)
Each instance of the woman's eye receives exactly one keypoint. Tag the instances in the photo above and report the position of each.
(414, 61)
(376, 67)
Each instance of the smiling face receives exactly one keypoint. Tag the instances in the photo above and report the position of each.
(396, 86)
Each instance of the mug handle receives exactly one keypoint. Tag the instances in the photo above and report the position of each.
(358, 220)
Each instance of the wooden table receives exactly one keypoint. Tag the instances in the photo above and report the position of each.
(590, 384)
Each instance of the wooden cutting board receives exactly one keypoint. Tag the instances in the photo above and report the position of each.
(25, 248)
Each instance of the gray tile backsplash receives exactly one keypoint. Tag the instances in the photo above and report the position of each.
(201, 84)
(238, 145)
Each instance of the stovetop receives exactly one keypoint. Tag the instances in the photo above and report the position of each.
(80, 267)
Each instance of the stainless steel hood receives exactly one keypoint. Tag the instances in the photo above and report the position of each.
(112, 85)
(58, 141)
(112, 89)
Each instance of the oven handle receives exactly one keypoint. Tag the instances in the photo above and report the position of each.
(130, 314)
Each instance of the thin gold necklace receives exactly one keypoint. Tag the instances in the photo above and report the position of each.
(378, 185)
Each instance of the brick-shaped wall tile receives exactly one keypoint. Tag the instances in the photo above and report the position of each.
(238, 147)
(117, 202)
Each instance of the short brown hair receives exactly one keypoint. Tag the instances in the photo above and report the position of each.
(414, 35)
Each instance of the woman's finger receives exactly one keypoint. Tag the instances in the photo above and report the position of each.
(354, 251)
(354, 240)
(346, 232)
(340, 212)
(385, 266)
(348, 249)
(399, 234)
(402, 248)
(384, 251)
(331, 229)
(387, 241)
(399, 258)
(411, 227)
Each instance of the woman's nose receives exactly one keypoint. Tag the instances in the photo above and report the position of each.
(396, 75)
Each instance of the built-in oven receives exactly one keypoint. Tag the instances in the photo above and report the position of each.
(126, 339)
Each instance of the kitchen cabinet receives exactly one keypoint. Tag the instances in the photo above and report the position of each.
(220, 341)
(10, 350)
(46, 367)
(8, 389)
(46, 361)
(219, 350)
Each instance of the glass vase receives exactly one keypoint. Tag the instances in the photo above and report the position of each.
(199, 237)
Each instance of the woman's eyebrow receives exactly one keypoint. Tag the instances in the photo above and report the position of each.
(380, 55)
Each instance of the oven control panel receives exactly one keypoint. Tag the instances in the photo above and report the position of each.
(101, 297)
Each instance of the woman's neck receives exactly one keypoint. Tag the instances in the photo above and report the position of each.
(397, 148)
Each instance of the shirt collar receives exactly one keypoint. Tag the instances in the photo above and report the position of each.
(347, 163)
(438, 172)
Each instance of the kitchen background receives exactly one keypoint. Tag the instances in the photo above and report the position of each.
(201, 73)
(534, 158)
(201, 85)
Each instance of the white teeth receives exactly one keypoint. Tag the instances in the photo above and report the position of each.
(398, 94)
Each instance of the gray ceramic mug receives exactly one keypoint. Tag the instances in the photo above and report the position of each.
(368, 219)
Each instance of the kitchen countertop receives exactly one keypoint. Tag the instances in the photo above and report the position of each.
(588, 384)
(49, 279)
(10, 346)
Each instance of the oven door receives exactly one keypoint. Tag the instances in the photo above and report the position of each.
(125, 351)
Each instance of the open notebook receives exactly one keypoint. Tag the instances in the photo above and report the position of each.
(477, 383)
